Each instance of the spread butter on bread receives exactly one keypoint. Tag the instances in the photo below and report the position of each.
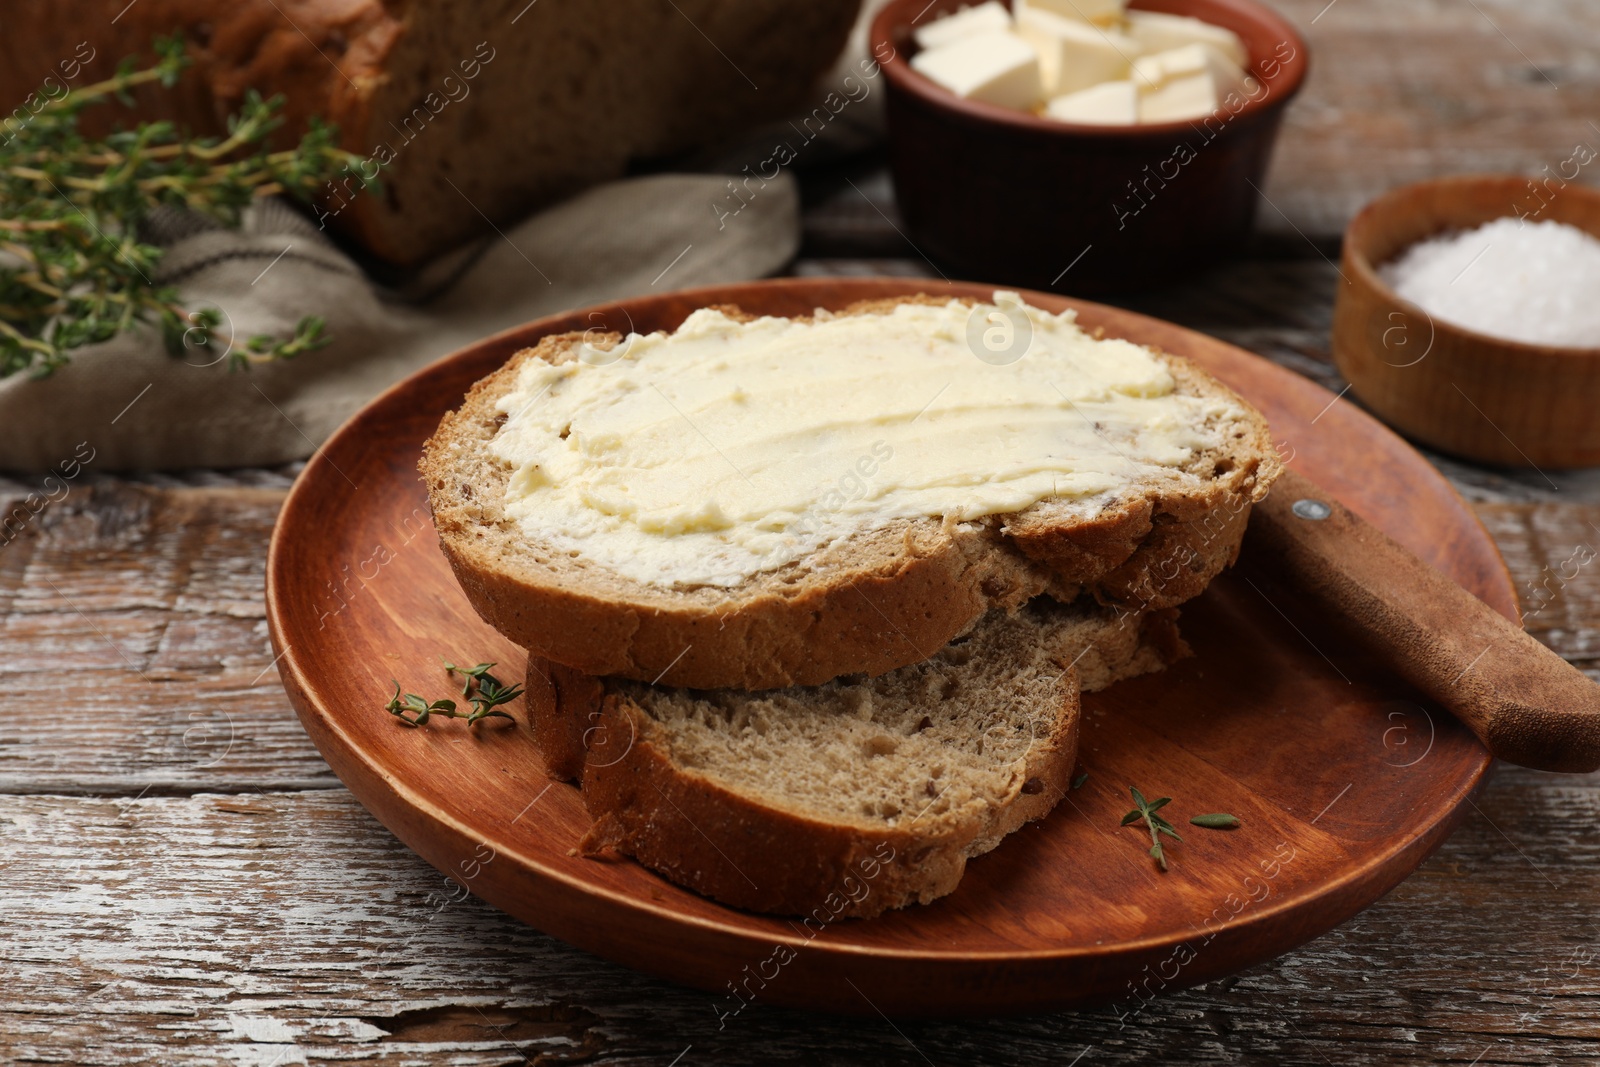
(756, 502)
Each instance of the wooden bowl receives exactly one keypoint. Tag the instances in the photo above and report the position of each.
(1004, 194)
(1482, 397)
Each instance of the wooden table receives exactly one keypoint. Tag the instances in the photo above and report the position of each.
(182, 878)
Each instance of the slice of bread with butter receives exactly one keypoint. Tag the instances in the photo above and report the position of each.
(756, 503)
(846, 799)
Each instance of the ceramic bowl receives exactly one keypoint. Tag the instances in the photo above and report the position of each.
(991, 192)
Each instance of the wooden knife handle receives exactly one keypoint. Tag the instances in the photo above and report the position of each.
(1525, 703)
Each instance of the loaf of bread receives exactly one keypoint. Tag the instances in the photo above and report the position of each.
(887, 591)
(847, 799)
(469, 113)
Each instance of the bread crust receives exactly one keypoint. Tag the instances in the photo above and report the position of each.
(732, 847)
(892, 596)
(735, 847)
(613, 82)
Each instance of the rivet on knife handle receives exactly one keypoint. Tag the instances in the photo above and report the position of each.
(1525, 703)
(1315, 510)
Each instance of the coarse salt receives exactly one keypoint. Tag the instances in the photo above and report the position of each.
(1532, 282)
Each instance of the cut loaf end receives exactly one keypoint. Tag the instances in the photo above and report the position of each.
(470, 115)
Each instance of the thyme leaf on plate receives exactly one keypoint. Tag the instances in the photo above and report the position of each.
(1146, 810)
(484, 692)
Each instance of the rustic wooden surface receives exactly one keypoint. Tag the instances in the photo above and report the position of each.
(183, 880)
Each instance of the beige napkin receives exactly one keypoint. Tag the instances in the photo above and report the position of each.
(132, 406)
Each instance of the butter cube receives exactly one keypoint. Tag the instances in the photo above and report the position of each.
(1075, 55)
(1114, 103)
(1192, 97)
(969, 21)
(1184, 83)
(1157, 31)
(1201, 59)
(1101, 12)
(996, 68)
(1149, 72)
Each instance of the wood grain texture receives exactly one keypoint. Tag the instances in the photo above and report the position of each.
(1384, 988)
(143, 608)
(1553, 550)
(258, 929)
(1400, 92)
(286, 928)
(219, 952)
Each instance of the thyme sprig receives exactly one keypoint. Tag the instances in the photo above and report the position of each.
(485, 692)
(491, 691)
(471, 674)
(73, 268)
(1146, 810)
(420, 708)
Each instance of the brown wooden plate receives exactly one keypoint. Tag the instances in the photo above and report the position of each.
(1343, 779)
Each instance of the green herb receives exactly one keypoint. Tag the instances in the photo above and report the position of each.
(1077, 783)
(1217, 821)
(491, 694)
(73, 270)
(1146, 810)
(485, 692)
(471, 674)
(491, 690)
(419, 708)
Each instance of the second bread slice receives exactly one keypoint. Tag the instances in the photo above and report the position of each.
(850, 798)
